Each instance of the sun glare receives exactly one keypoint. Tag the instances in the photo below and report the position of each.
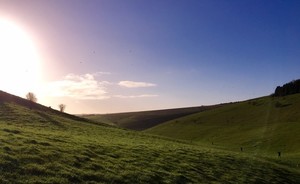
(19, 63)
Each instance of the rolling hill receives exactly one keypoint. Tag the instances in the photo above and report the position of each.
(146, 119)
(40, 145)
(263, 126)
(12, 99)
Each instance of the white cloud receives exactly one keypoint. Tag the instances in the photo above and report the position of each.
(78, 87)
(132, 84)
(101, 73)
(87, 87)
(136, 96)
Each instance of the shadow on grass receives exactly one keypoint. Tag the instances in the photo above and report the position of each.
(49, 119)
(281, 105)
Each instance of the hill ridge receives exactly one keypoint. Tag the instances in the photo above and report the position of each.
(266, 126)
(10, 98)
(142, 120)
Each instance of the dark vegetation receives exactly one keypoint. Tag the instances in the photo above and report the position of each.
(290, 88)
(31, 97)
(62, 107)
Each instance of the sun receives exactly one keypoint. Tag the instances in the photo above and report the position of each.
(19, 62)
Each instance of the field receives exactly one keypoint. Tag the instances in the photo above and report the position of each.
(263, 126)
(39, 146)
(145, 119)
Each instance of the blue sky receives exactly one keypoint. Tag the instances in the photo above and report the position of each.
(101, 56)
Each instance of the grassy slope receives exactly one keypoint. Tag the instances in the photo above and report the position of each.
(261, 126)
(146, 119)
(45, 147)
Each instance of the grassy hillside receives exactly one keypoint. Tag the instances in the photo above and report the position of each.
(38, 146)
(9, 98)
(146, 119)
(263, 126)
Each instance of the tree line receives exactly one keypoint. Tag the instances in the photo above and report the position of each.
(290, 88)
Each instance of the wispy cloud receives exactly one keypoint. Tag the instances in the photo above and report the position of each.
(135, 96)
(132, 84)
(101, 73)
(89, 87)
(79, 87)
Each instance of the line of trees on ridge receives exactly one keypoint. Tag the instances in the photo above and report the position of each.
(290, 88)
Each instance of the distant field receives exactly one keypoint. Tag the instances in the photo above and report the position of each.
(39, 146)
(263, 126)
(145, 119)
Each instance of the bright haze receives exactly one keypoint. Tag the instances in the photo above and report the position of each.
(103, 56)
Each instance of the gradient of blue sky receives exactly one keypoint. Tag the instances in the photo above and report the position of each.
(194, 52)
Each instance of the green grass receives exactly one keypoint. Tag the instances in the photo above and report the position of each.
(263, 126)
(145, 119)
(47, 147)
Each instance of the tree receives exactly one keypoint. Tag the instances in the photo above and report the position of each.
(290, 88)
(62, 107)
(31, 97)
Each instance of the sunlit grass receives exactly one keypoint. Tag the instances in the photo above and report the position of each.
(38, 147)
(261, 127)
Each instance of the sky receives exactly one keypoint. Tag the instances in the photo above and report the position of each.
(106, 56)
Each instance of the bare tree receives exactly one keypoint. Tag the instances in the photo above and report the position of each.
(62, 107)
(31, 97)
